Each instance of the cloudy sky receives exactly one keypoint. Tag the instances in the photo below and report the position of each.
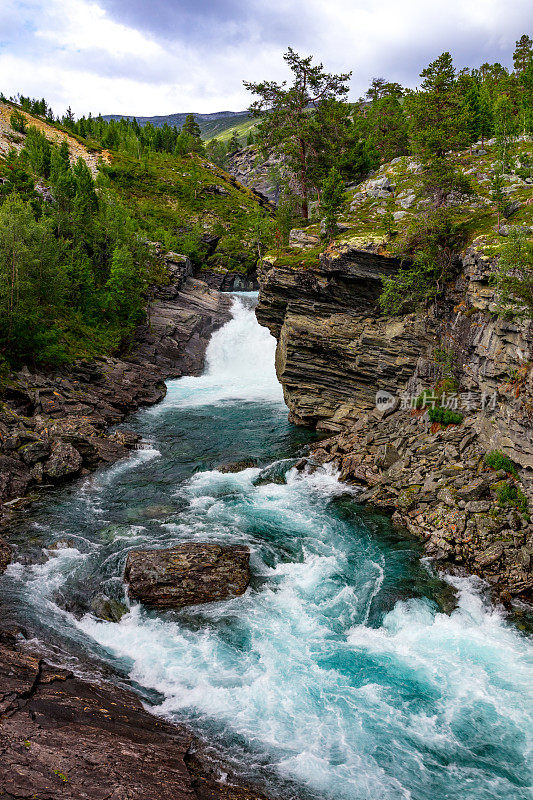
(149, 57)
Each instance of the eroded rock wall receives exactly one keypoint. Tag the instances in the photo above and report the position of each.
(334, 348)
(335, 351)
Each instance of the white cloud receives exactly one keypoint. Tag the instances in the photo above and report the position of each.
(74, 52)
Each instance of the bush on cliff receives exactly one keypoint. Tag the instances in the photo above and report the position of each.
(498, 460)
(445, 416)
(514, 277)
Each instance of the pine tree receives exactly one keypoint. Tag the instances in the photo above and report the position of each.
(18, 122)
(332, 200)
(191, 127)
(287, 126)
(16, 178)
(234, 143)
(486, 117)
(437, 124)
(505, 129)
(522, 54)
(386, 124)
(68, 119)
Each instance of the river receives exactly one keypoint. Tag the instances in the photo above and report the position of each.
(338, 674)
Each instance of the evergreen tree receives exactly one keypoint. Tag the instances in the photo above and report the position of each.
(216, 152)
(332, 200)
(498, 196)
(38, 152)
(526, 98)
(124, 286)
(191, 127)
(505, 129)
(437, 124)
(287, 126)
(18, 122)
(386, 124)
(68, 119)
(514, 278)
(63, 188)
(523, 53)
(30, 276)
(186, 143)
(17, 179)
(486, 117)
(234, 143)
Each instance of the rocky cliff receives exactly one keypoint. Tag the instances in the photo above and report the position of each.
(257, 173)
(336, 351)
(63, 736)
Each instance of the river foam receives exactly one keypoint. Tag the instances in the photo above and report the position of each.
(337, 670)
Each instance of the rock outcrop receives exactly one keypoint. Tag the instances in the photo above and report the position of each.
(255, 172)
(61, 736)
(191, 573)
(180, 321)
(435, 482)
(335, 353)
(334, 349)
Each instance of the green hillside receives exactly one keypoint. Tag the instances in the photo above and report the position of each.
(211, 125)
(241, 129)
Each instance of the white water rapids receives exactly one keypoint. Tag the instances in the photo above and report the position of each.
(336, 670)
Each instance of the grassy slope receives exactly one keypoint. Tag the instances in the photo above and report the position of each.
(54, 133)
(364, 215)
(240, 128)
(175, 200)
(167, 197)
(166, 194)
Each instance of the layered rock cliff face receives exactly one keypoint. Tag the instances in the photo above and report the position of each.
(335, 352)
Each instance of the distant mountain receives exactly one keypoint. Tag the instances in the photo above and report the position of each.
(211, 125)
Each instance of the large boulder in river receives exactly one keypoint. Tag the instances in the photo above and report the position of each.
(191, 573)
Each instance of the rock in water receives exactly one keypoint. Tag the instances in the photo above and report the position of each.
(191, 573)
(107, 608)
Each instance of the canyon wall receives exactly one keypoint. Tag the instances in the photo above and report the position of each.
(336, 351)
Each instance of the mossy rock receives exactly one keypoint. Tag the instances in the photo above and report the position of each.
(407, 497)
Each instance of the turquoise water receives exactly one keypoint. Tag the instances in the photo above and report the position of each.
(337, 675)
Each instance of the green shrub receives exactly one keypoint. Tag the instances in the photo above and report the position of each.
(445, 416)
(510, 495)
(498, 460)
(426, 398)
(18, 122)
